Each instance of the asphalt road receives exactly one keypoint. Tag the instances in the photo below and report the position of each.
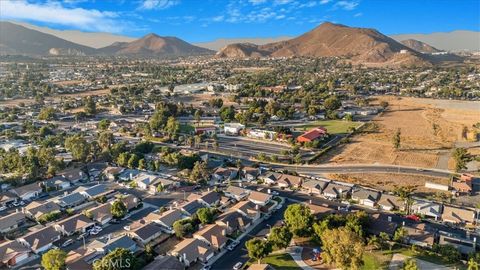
(240, 254)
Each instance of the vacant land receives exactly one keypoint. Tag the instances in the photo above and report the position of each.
(332, 126)
(385, 181)
(428, 131)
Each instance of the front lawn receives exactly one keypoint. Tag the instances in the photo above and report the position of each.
(376, 260)
(281, 262)
(332, 126)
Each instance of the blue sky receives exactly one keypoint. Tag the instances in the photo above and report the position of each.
(206, 20)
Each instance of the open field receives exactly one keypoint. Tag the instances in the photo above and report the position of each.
(385, 181)
(332, 126)
(421, 144)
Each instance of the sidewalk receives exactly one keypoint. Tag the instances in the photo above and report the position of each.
(296, 253)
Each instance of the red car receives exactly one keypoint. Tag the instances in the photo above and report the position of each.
(413, 217)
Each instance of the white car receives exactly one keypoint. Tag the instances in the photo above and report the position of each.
(275, 193)
(237, 266)
(94, 232)
(126, 228)
(67, 243)
(97, 228)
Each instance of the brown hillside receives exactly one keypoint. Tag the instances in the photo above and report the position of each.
(419, 46)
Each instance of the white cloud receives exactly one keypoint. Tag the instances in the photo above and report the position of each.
(282, 2)
(218, 18)
(347, 5)
(158, 4)
(358, 14)
(257, 2)
(279, 17)
(323, 2)
(56, 13)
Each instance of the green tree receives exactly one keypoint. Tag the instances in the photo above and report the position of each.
(227, 114)
(410, 264)
(118, 209)
(472, 264)
(199, 172)
(118, 259)
(172, 127)
(183, 227)
(47, 113)
(105, 140)
(205, 215)
(343, 248)
(332, 103)
(280, 237)
(133, 161)
(104, 124)
(299, 219)
(400, 234)
(461, 157)
(78, 146)
(54, 259)
(90, 106)
(258, 248)
(397, 139)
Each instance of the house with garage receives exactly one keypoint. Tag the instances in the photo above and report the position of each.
(366, 197)
(335, 190)
(212, 234)
(389, 202)
(189, 208)
(95, 191)
(247, 209)
(259, 198)
(314, 186)
(75, 224)
(165, 219)
(236, 193)
(28, 192)
(289, 181)
(417, 234)
(233, 221)
(56, 183)
(207, 198)
(13, 254)
(111, 173)
(463, 245)
(39, 241)
(70, 200)
(250, 173)
(382, 223)
(457, 215)
(270, 178)
(108, 244)
(101, 213)
(7, 198)
(192, 250)
(12, 221)
(221, 174)
(74, 176)
(314, 134)
(146, 233)
(130, 201)
(427, 209)
(36, 209)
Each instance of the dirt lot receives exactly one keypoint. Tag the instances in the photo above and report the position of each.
(387, 182)
(421, 146)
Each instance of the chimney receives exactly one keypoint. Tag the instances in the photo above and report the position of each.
(184, 257)
(131, 176)
(228, 224)
(65, 193)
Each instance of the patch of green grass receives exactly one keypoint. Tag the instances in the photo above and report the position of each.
(375, 260)
(187, 128)
(281, 262)
(332, 126)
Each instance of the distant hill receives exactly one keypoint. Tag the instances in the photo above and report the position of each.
(90, 39)
(222, 42)
(419, 46)
(447, 41)
(360, 45)
(20, 40)
(154, 45)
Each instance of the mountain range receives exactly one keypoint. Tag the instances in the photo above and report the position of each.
(358, 45)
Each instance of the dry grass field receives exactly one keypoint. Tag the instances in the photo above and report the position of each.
(421, 146)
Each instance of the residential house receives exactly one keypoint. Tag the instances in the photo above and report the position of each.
(75, 224)
(457, 215)
(70, 200)
(144, 180)
(207, 198)
(130, 201)
(36, 209)
(314, 186)
(463, 245)
(233, 128)
(128, 174)
(108, 244)
(7, 198)
(221, 174)
(189, 208)
(166, 184)
(112, 172)
(28, 192)
(259, 198)
(314, 134)
(247, 209)
(390, 203)
(146, 233)
(56, 183)
(426, 208)
(270, 178)
(320, 211)
(366, 197)
(165, 219)
(336, 191)
(381, 223)
(74, 175)
(191, 250)
(236, 193)
(250, 173)
(12, 254)
(233, 221)
(463, 184)
(289, 181)
(418, 235)
(95, 191)
(165, 262)
(41, 240)
(80, 259)
(101, 214)
(212, 234)
(11, 221)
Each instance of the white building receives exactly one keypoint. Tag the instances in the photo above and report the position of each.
(233, 128)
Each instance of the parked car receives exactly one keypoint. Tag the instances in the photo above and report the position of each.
(114, 221)
(413, 217)
(67, 243)
(275, 193)
(237, 266)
